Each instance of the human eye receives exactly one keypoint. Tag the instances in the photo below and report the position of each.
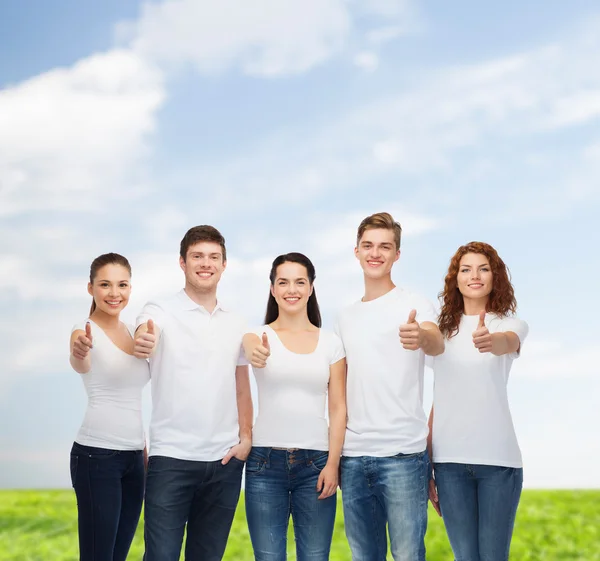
(464, 270)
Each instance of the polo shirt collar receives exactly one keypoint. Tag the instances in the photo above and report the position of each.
(188, 304)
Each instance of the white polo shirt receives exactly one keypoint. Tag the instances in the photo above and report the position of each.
(385, 381)
(192, 370)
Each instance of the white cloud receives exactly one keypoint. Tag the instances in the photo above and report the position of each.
(367, 61)
(71, 136)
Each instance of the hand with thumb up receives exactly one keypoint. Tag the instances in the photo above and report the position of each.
(83, 343)
(260, 353)
(482, 338)
(411, 334)
(145, 340)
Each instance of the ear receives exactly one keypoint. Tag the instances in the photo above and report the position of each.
(397, 256)
(90, 291)
(312, 287)
(182, 263)
(356, 252)
(224, 264)
(272, 290)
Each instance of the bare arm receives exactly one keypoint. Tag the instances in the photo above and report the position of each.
(430, 435)
(337, 411)
(245, 416)
(505, 343)
(433, 496)
(433, 340)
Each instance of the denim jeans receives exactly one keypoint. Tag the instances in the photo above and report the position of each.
(280, 483)
(109, 486)
(202, 494)
(390, 490)
(479, 504)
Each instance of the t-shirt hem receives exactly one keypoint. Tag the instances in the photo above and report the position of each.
(385, 453)
(109, 445)
(477, 461)
(299, 445)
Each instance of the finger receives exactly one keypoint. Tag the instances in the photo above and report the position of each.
(481, 324)
(88, 331)
(265, 342)
(258, 363)
(412, 316)
(150, 326)
(227, 457)
(321, 483)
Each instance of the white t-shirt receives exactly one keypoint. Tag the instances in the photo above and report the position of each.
(114, 384)
(472, 423)
(292, 392)
(194, 407)
(385, 381)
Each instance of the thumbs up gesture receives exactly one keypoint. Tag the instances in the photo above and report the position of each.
(260, 353)
(482, 338)
(145, 341)
(411, 334)
(83, 343)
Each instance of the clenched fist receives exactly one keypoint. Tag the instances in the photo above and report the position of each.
(482, 339)
(411, 334)
(83, 343)
(260, 353)
(145, 342)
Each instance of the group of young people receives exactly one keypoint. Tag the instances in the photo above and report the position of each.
(341, 408)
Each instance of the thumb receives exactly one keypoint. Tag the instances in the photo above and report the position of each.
(88, 330)
(412, 316)
(150, 326)
(481, 324)
(265, 342)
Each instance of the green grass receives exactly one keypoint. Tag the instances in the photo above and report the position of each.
(551, 526)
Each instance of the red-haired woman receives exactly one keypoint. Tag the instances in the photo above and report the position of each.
(476, 457)
(107, 458)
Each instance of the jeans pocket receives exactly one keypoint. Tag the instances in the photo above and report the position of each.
(256, 462)
(73, 465)
(319, 461)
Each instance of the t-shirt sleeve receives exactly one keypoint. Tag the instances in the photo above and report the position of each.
(337, 349)
(425, 310)
(517, 326)
(80, 326)
(154, 311)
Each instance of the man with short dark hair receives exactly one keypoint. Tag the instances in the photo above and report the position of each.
(200, 432)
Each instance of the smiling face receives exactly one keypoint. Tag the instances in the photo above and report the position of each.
(111, 289)
(377, 252)
(203, 266)
(474, 278)
(291, 288)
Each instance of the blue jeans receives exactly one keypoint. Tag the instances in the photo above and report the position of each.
(479, 504)
(284, 482)
(202, 494)
(109, 486)
(379, 491)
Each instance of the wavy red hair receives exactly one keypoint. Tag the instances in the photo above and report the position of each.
(501, 300)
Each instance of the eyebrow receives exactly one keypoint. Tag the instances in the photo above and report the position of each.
(471, 266)
(106, 280)
(296, 279)
(202, 253)
(390, 244)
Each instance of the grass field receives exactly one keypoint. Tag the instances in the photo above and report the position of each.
(551, 526)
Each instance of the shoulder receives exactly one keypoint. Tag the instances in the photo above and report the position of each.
(80, 326)
(508, 323)
(406, 296)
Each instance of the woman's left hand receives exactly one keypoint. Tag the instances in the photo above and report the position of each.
(328, 481)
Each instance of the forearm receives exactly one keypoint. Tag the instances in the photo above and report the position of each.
(433, 342)
(244, 404)
(430, 435)
(82, 366)
(504, 343)
(337, 433)
(249, 343)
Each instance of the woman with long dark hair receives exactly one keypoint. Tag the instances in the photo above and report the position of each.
(293, 466)
(477, 462)
(107, 457)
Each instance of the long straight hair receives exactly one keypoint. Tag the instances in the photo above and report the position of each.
(101, 261)
(312, 307)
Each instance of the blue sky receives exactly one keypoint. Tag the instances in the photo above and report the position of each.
(122, 124)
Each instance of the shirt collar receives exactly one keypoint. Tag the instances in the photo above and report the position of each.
(188, 304)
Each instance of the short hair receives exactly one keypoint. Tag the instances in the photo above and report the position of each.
(202, 233)
(382, 221)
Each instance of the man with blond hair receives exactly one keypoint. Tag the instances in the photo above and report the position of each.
(385, 468)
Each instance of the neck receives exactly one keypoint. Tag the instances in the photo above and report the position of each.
(293, 322)
(104, 320)
(208, 299)
(374, 288)
(474, 306)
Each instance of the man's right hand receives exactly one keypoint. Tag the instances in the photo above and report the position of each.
(261, 353)
(145, 342)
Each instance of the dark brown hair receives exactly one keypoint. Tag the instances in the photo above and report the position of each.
(380, 220)
(312, 306)
(202, 233)
(502, 297)
(101, 261)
